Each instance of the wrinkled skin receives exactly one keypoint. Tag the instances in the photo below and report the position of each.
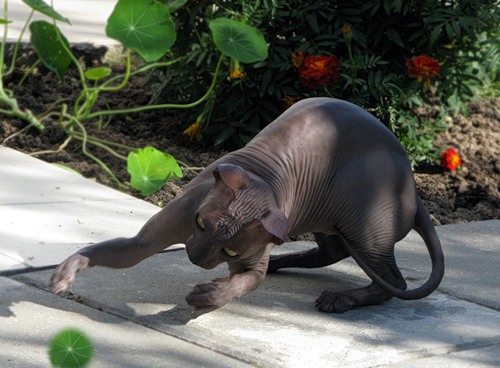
(324, 166)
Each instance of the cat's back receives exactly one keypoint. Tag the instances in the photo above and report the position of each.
(327, 123)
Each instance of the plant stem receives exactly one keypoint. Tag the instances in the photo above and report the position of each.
(59, 149)
(28, 72)
(15, 111)
(127, 75)
(142, 70)
(19, 40)
(4, 38)
(90, 155)
(164, 106)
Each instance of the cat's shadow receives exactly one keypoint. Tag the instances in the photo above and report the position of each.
(181, 314)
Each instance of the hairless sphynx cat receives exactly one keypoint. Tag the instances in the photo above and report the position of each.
(324, 166)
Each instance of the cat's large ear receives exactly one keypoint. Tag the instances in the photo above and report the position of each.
(234, 176)
(276, 223)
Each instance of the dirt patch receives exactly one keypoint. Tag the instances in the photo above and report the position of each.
(470, 194)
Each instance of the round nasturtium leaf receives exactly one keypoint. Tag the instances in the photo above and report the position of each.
(150, 169)
(97, 73)
(144, 26)
(70, 348)
(48, 40)
(238, 40)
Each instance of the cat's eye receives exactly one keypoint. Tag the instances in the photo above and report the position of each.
(230, 253)
(200, 223)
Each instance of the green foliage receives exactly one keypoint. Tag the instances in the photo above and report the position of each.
(146, 27)
(98, 73)
(70, 348)
(48, 43)
(239, 41)
(373, 39)
(44, 8)
(142, 26)
(149, 169)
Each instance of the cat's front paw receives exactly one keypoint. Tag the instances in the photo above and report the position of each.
(212, 295)
(65, 273)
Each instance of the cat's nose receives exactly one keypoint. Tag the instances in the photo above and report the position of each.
(200, 256)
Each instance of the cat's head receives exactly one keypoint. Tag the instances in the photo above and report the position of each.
(235, 221)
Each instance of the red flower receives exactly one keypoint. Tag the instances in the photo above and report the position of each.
(423, 67)
(450, 159)
(317, 71)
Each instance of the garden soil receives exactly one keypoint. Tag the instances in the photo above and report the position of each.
(469, 194)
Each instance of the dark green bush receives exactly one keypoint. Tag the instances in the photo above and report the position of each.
(373, 41)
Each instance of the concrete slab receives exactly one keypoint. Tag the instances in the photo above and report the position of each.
(88, 19)
(28, 180)
(47, 213)
(477, 358)
(472, 256)
(277, 325)
(29, 318)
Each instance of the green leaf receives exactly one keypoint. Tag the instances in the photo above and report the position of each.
(225, 135)
(395, 37)
(46, 39)
(97, 73)
(4, 21)
(173, 5)
(434, 36)
(44, 8)
(312, 19)
(67, 168)
(150, 169)
(144, 26)
(70, 348)
(237, 40)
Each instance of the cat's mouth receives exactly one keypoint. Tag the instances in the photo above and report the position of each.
(230, 253)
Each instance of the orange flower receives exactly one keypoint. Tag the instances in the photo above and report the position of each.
(450, 159)
(194, 132)
(297, 58)
(317, 71)
(423, 67)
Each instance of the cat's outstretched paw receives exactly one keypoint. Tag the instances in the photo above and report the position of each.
(65, 274)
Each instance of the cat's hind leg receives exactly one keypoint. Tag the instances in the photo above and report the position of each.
(384, 265)
(329, 250)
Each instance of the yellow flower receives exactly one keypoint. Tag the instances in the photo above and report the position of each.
(236, 70)
(288, 101)
(194, 132)
(237, 74)
(297, 58)
(347, 32)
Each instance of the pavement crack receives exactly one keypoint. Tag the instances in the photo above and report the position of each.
(29, 269)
